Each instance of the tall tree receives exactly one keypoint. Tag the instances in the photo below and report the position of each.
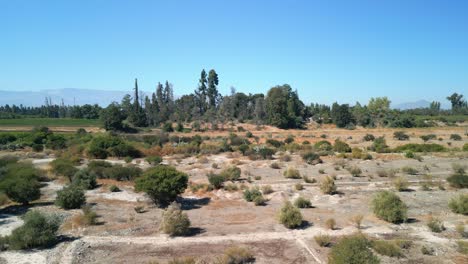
(200, 93)
(212, 91)
(283, 107)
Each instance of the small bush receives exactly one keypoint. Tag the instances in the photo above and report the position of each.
(64, 167)
(292, 173)
(380, 145)
(167, 127)
(387, 248)
(400, 135)
(386, 173)
(465, 147)
(266, 153)
(355, 171)
(285, 158)
(328, 186)
(341, 146)
(251, 194)
(352, 249)
(462, 247)
(162, 183)
(274, 143)
(232, 173)
(114, 188)
(357, 220)
(85, 178)
(458, 180)
(175, 222)
(39, 230)
(216, 180)
(330, 223)
(455, 137)
(89, 216)
(259, 200)
(321, 171)
(409, 170)
(70, 197)
(435, 225)
(401, 184)
(420, 148)
(323, 146)
(267, 189)
(289, 140)
(299, 187)
(236, 255)
(460, 228)
(275, 165)
(302, 202)
(154, 160)
(389, 207)
(308, 180)
(459, 204)
(369, 137)
(426, 138)
(311, 158)
(426, 250)
(290, 216)
(323, 240)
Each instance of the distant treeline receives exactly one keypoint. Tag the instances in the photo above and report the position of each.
(280, 107)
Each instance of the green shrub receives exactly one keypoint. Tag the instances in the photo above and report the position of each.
(323, 146)
(435, 225)
(259, 200)
(216, 180)
(289, 140)
(426, 138)
(85, 178)
(251, 194)
(369, 137)
(162, 183)
(37, 147)
(290, 216)
(121, 173)
(20, 182)
(354, 249)
(302, 202)
(462, 247)
(400, 135)
(103, 146)
(327, 185)
(38, 231)
(175, 222)
(311, 158)
(465, 147)
(455, 137)
(70, 197)
(56, 142)
(341, 146)
(413, 147)
(389, 207)
(266, 153)
(89, 216)
(114, 188)
(380, 145)
(459, 204)
(274, 143)
(154, 160)
(458, 180)
(323, 240)
(232, 173)
(167, 127)
(426, 250)
(292, 173)
(64, 167)
(387, 248)
(243, 148)
(98, 167)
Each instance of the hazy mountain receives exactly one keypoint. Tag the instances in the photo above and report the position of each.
(70, 96)
(412, 105)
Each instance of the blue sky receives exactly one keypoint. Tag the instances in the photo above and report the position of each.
(328, 50)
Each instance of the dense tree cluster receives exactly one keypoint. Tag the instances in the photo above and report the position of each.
(280, 107)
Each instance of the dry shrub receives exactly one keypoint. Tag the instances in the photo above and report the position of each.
(292, 173)
(357, 220)
(401, 184)
(267, 189)
(327, 185)
(236, 255)
(323, 240)
(330, 223)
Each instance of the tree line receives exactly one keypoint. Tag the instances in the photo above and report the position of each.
(280, 107)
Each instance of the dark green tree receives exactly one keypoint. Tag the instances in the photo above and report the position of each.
(212, 91)
(283, 107)
(112, 117)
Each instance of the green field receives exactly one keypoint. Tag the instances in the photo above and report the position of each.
(53, 122)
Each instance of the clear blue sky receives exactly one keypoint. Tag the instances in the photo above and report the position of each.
(327, 50)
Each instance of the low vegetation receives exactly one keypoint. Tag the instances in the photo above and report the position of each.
(389, 207)
(290, 216)
(352, 249)
(175, 222)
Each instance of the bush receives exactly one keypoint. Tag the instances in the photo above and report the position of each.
(231, 173)
(327, 185)
(64, 167)
(266, 153)
(267, 189)
(290, 216)
(458, 180)
(70, 197)
(455, 137)
(420, 148)
(369, 137)
(236, 255)
(20, 182)
(37, 147)
(426, 138)
(89, 216)
(243, 148)
(435, 225)
(465, 147)
(292, 173)
(101, 147)
(39, 230)
(330, 223)
(216, 180)
(289, 140)
(275, 165)
(323, 240)
(459, 204)
(162, 183)
(274, 143)
(426, 250)
(167, 127)
(355, 171)
(154, 160)
(341, 146)
(386, 173)
(323, 146)
(380, 145)
(299, 187)
(389, 207)
(400, 135)
(302, 202)
(56, 142)
(251, 194)
(352, 249)
(175, 222)
(409, 170)
(387, 248)
(401, 184)
(114, 188)
(311, 158)
(259, 200)
(85, 178)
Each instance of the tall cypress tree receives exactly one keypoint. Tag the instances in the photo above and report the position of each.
(212, 91)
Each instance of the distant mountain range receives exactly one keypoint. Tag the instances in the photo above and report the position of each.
(70, 96)
(412, 105)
